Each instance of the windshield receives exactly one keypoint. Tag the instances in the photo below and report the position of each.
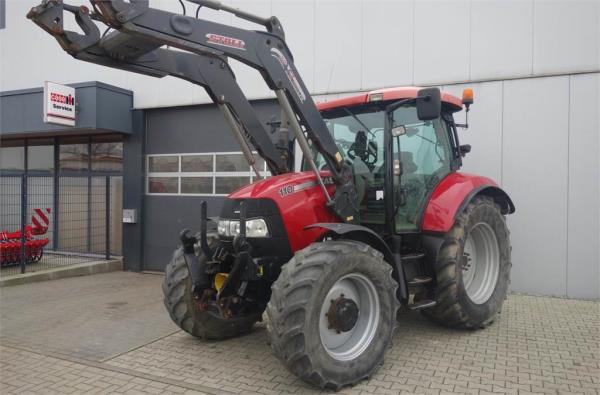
(423, 148)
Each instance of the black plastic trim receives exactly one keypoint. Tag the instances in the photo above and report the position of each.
(498, 194)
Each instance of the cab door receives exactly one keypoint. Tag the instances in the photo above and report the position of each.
(426, 155)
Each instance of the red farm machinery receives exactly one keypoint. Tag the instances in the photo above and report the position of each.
(379, 218)
(14, 244)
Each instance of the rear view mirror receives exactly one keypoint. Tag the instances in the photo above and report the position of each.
(429, 104)
(398, 131)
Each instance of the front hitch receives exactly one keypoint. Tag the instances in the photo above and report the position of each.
(196, 267)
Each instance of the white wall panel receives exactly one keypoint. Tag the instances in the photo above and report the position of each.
(298, 20)
(387, 52)
(485, 129)
(566, 36)
(583, 265)
(338, 46)
(535, 171)
(441, 41)
(501, 38)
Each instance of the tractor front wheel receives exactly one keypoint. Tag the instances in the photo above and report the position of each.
(473, 268)
(332, 313)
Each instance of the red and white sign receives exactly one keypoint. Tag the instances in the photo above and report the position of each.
(59, 104)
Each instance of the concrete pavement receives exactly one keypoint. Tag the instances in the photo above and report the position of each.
(109, 333)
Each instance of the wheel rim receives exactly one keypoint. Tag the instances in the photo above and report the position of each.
(350, 344)
(481, 263)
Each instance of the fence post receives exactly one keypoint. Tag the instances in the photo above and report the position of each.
(23, 220)
(107, 218)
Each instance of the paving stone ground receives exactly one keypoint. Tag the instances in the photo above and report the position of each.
(538, 345)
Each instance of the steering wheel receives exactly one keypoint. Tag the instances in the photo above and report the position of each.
(370, 158)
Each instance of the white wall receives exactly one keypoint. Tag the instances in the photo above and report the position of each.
(534, 66)
(350, 45)
(539, 138)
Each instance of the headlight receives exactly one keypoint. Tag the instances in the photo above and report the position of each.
(254, 228)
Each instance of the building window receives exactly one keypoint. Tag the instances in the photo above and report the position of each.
(231, 163)
(200, 174)
(107, 153)
(12, 155)
(74, 154)
(40, 155)
(197, 163)
(197, 185)
(226, 185)
(163, 184)
(163, 164)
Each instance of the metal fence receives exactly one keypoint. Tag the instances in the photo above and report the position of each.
(52, 221)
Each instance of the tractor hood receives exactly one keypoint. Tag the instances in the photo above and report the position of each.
(283, 185)
(299, 200)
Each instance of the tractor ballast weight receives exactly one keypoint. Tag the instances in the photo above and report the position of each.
(379, 218)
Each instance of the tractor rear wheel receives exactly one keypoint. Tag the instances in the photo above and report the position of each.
(183, 309)
(473, 268)
(332, 313)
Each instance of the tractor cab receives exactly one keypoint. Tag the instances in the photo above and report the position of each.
(381, 134)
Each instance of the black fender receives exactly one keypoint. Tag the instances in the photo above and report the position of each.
(365, 235)
(500, 197)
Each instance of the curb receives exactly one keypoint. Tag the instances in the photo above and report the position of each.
(81, 269)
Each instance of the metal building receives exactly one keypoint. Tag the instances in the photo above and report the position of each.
(534, 66)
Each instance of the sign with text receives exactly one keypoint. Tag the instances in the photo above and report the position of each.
(59, 104)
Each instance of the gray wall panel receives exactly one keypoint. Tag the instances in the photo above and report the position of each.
(566, 36)
(535, 170)
(196, 129)
(496, 50)
(164, 218)
(179, 130)
(583, 265)
(485, 129)
(99, 106)
(383, 20)
(441, 52)
(338, 63)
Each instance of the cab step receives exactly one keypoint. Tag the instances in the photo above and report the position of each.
(420, 280)
(422, 305)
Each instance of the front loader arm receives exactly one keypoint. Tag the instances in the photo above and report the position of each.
(147, 29)
(266, 52)
(122, 51)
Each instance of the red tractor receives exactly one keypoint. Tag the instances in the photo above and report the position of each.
(378, 219)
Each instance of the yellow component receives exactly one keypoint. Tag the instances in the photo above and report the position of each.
(338, 157)
(220, 280)
(260, 271)
(350, 218)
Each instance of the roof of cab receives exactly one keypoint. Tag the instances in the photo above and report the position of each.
(387, 94)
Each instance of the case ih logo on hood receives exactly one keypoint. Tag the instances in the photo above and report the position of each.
(62, 99)
(226, 41)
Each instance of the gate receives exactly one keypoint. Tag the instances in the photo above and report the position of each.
(55, 221)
